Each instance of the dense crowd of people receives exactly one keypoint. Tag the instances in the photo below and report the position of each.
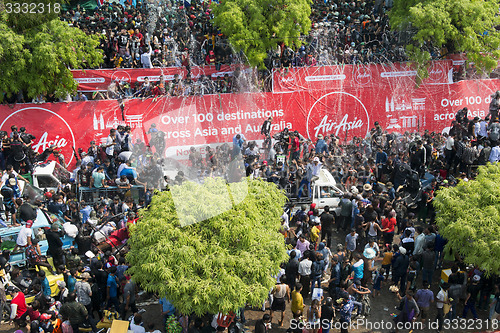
(176, 33)
(388, 220)
(385, 219)
(181, 34)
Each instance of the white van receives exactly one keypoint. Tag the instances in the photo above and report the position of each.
(327, 192)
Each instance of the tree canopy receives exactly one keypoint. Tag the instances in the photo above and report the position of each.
(219, 264)
(257, 26)
(37, 50)
(453, 25)
(468, 215)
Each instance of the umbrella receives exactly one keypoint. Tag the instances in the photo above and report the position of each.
(369, 253)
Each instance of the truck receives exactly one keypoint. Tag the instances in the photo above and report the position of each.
(325, 192)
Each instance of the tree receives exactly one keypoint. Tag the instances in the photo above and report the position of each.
(257, 26)
(37, 50)
(456, 26)
(219, 264)
(468, 215)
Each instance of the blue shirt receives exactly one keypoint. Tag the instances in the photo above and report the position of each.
(130, 173)
(113, 286)
(85, 213)
(358, 269)
(120, 270)
(321, 147)
(166, 306)
(239, 142)
(495, 154)
(46, 287)
(71, 283)
(346, 310)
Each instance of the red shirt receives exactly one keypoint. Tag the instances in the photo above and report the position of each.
(21, 304)
(296, 144)
(389, 223)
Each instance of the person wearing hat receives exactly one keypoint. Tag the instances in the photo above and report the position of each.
(312, 174)
(63, 291)
(400, 269)
(93, 150)
(24, 236)
(17, 305)
(83, 292)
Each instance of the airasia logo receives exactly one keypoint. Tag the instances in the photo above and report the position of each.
(121, 76)
(437, 72)
(338, 113)
(362, 75)
(55, 130)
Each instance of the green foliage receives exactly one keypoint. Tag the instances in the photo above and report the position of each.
(38, 50)
(256, 26)
(216, 265)
(468, 215)
(172, 325)
(458, 26)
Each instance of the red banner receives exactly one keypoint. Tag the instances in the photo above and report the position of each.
(99, 79)
(356, 76)
(212, 119)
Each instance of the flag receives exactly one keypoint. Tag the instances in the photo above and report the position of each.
(99, 3)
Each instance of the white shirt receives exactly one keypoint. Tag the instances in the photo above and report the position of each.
(419, 244)
(450, 142)
(111, 149)
(146, 59)
(483, 129)
(441, 296)
(22, 237)
(495, 154)
(87, 160)
(305, 267)
(136, 328)
(125, 155)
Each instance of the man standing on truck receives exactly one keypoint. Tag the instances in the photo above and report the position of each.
(312, 174)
